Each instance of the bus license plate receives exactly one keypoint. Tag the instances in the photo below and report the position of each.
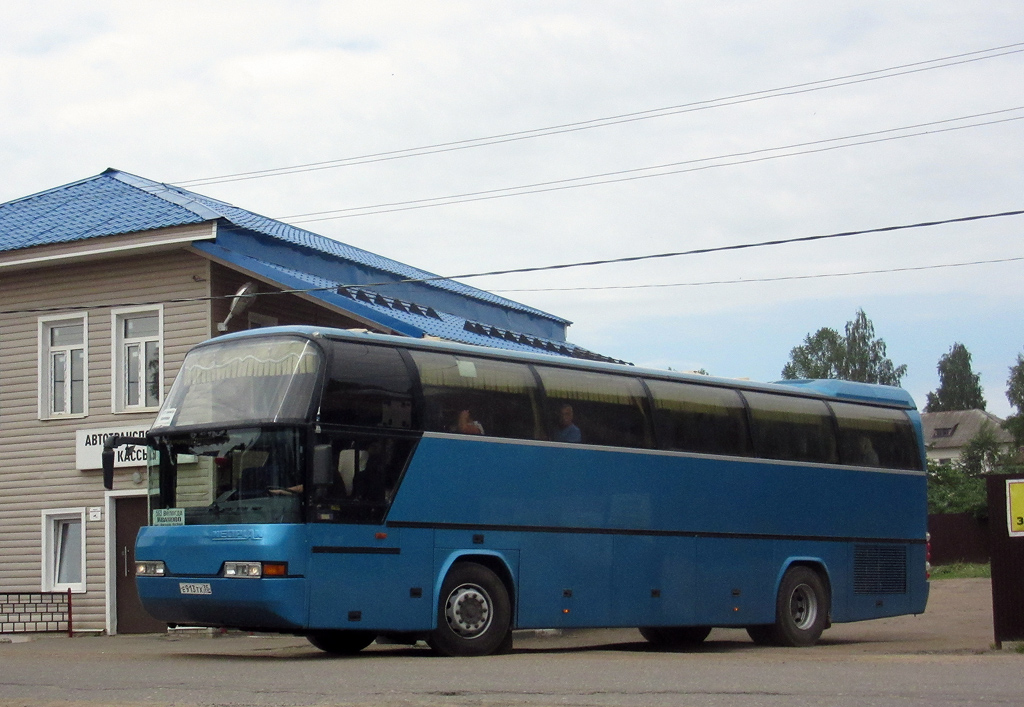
(195, 588)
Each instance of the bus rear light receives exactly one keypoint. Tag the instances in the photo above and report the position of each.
(251, 570)
(150, 568)
(275, 569)
(927, 555)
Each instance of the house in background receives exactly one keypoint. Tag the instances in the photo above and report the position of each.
(947, 433)
(105, 284)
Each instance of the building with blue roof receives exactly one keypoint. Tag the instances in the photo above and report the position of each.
(105, 284)
(379, 293)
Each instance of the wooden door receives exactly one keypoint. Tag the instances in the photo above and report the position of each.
(130, 514)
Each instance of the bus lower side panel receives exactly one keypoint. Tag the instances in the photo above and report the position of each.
(578, 580)
(361, 577)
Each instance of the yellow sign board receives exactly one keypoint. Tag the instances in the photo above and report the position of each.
(1015, 506)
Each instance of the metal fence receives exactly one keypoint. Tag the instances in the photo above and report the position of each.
(35, 612)
(958, 537)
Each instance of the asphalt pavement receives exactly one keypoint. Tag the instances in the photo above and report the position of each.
(945, 656)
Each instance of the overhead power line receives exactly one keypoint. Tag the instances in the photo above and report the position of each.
(751, 280)
(702, 251)
(662, 170)
(807, 87)
(563, 266)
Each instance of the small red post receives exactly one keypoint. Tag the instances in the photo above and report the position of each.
(70, 634)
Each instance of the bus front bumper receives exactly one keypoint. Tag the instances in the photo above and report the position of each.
(265, 604)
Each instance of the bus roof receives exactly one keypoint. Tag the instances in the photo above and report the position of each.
(889, 396)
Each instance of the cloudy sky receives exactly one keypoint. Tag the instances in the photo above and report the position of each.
(653, 127)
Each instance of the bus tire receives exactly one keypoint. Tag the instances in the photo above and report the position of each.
(341, 642)
(801, 611)
(675, 636)
(762, 634)
(474, 615)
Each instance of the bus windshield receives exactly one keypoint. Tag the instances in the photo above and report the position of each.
(248, 381)
(230, 476)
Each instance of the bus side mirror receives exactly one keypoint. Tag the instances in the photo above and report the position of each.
(108, 468)
(108, 455)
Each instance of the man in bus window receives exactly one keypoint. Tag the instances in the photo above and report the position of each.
(868, 455)
(465, 424)
(567, 430)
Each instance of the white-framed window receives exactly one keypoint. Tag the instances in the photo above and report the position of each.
(63, 366)
(63, 550)
(138, 358)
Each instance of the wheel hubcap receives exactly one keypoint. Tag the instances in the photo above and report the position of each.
(803, 606)
(468, 611)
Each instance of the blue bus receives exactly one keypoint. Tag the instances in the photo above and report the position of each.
(347, 486)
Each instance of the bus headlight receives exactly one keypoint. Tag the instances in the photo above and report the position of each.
(150, 568)
(243, 569)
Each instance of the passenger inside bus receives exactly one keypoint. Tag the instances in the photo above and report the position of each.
(465, 424)
(868, 455)
(567, 430)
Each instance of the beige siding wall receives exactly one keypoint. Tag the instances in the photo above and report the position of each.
(37, 457)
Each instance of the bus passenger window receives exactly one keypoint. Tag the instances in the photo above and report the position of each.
(699, 418)
(796, 429)
(368, 386)
(363, 484)
(470, 395)
(606, 409)
(876, 437)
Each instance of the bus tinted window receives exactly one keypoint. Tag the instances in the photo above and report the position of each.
(880, 437)
(698, 418)
(605, 409)
(357, 483)
(797, 429)
(477, 396)
(368, 386)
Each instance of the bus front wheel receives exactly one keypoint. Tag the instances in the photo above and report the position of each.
(474, 615)
(801, 611)
(341, 642)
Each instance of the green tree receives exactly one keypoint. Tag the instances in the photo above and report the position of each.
(952, 490)
(1015, 394)
(959, 487)
(857, 356)
(959, 386)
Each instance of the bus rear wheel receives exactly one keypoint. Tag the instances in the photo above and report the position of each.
(801, 611)
(474, 615)
(341, 642)
(675, 636)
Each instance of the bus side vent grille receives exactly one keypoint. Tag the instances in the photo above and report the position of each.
(879, 569)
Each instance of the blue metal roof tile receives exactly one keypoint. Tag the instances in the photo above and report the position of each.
(116, 202)
(100, 206)
(445, 325)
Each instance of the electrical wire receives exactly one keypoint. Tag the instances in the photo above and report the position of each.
(563, 266)
(627, 175)
(702, 251)
(794, 89)
(743, 281)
